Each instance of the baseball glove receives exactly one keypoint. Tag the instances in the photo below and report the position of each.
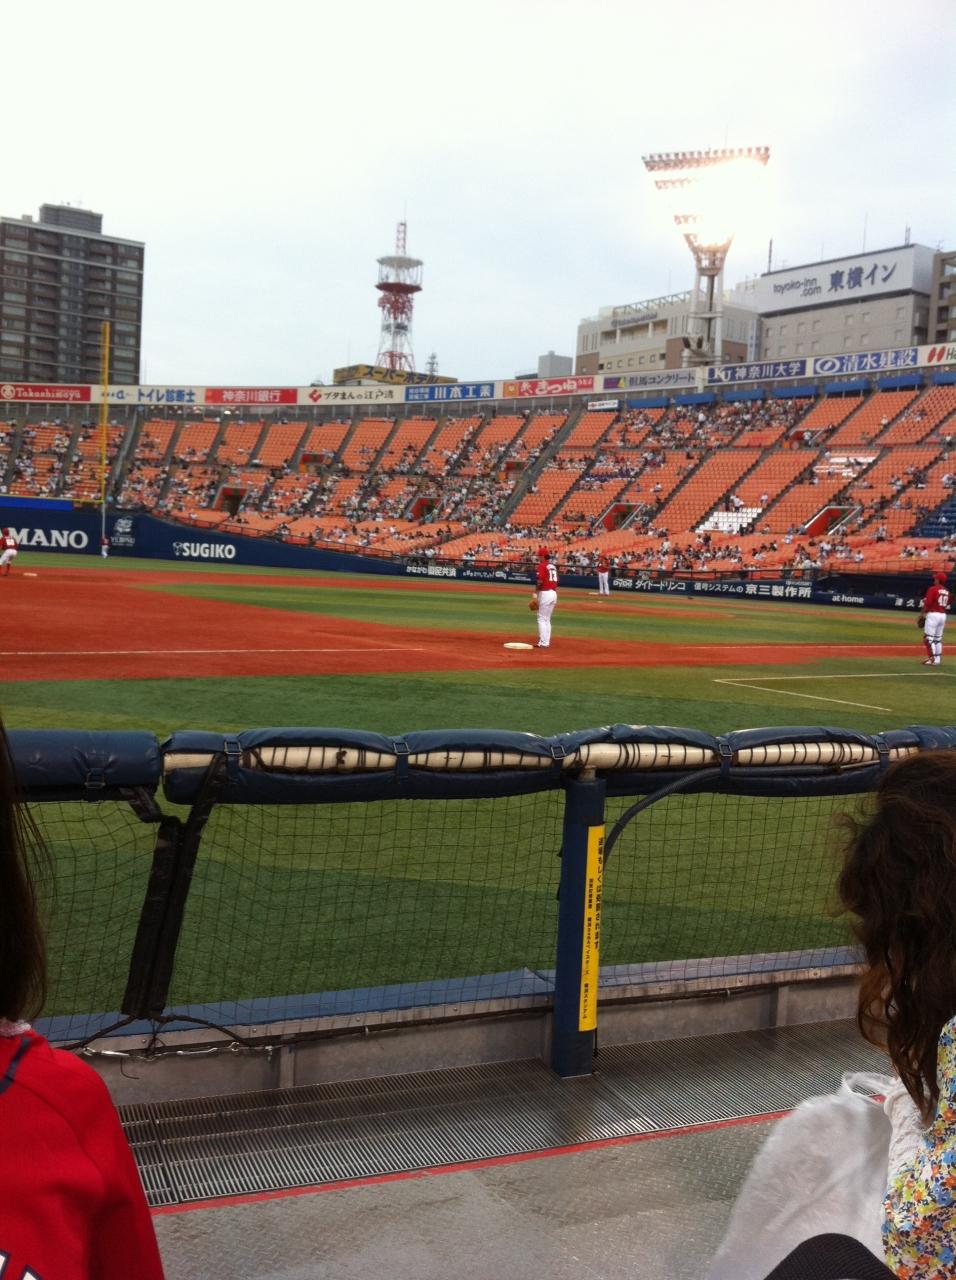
(921, 621)
(533, 606)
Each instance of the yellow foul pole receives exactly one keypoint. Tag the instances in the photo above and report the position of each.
(104, 425)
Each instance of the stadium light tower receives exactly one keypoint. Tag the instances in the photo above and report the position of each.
(399, 279)
(708, 191)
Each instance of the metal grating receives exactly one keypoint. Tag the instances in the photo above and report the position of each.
(241, 1143)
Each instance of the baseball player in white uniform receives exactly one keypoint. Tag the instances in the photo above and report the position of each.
(8, 551)
(935, 606)
(545, 595)
(604, 575)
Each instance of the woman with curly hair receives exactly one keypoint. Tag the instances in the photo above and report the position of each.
(71, 1203)
(899, 880)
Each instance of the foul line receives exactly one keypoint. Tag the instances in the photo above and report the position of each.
(875, 675)
(762, 688)
(865, 675)
(160, 653)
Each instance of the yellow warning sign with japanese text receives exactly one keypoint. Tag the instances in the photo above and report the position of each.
(591, 932)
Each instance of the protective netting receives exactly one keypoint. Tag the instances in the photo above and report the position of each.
(99, 859)
(256, 913)
(713, 885)
(302, 910)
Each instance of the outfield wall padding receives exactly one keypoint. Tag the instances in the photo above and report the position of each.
(52, 528)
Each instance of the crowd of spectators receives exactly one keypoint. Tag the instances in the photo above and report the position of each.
(423, 497)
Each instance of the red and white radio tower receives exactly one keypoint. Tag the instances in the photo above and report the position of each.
(399, 279)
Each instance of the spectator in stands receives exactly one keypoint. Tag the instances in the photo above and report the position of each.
(899, 881)
(72, 1202)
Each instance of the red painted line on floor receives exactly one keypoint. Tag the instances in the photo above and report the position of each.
(467, 1166)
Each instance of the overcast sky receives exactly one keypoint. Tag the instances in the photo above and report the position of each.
(265, 151)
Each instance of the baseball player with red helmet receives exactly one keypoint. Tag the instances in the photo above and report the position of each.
(935, 606)
(545, 595)
(8, 550)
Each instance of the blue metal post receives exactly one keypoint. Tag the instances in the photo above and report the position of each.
(579, 928)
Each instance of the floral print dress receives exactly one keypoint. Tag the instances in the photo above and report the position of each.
(919, 1212)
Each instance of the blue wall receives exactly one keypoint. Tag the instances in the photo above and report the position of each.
(50, 527)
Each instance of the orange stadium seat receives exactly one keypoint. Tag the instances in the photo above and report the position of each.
(541, 427)
(716, 476)
(194, 441)
(325, 440)
(153, 442)
(498, 432)
(552, 485)
(239, 441)
(773, 474)
(873, 416)
(802, 502)
(365, 442)
(280, 442)
(916, 422)
(632, 427)
(405, 446)
(656, 483)
(589, 429)
(827, 413)
(452, 436)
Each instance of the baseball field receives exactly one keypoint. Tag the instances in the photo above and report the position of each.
(375, 894)
(151, 645)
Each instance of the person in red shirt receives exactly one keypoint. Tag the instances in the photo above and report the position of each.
(545, 595)
(604, 575)
(72, 1205)
(8, 552)
(935, 606)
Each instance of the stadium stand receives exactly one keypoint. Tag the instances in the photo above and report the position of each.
(712, 482)
(82, 481)
(448, 443)
(406, 444)
(365, 443)
(323, 442)
(867, 474)
(919, 419)
(239, 442)
(826, 414)
(280, 442)
(873, 416)
(194, 441)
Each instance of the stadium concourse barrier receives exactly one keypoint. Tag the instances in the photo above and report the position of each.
(279, 886)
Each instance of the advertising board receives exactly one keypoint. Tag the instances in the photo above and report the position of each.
(546, 387)
(864, 275)
(453, 391)
(61, 393)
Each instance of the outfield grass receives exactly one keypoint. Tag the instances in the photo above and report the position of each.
(866, 694)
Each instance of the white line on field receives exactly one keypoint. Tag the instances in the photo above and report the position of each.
(159, 653)
(761, 688)
(867, 675)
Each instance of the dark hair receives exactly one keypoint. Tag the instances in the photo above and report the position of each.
(899, 879)
(22, 946)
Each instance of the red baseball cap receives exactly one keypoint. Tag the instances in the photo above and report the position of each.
(939, 576)
(543, 553)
